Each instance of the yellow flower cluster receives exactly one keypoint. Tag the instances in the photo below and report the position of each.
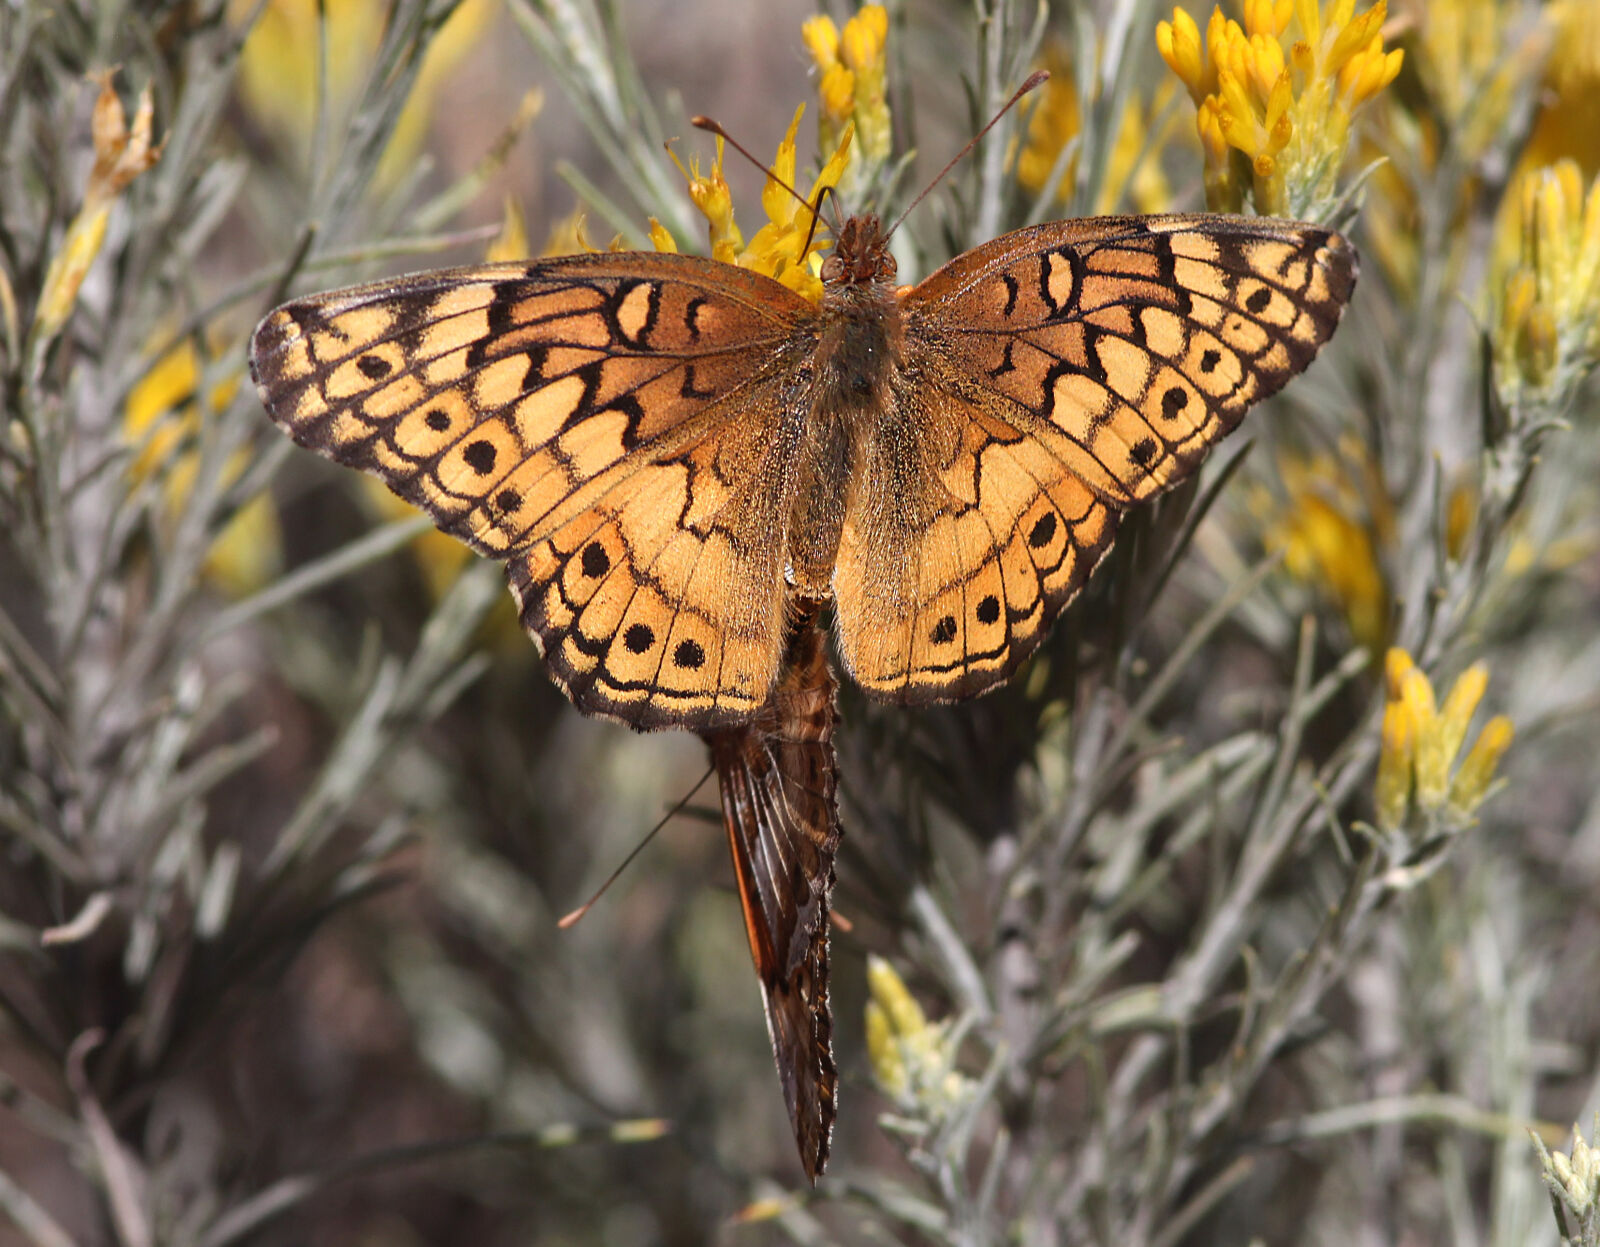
(1417, 769)
(1472, 54)
(1331, 531)
(1275, 97)
(913, 1060)
(1570, 93)
(789, 245)
(1055, 120)
(161, 420)
(281, 61)
(851, 68)
(1548, 320)
(120, 155)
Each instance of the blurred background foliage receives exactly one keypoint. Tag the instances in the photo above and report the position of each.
(1211, 927)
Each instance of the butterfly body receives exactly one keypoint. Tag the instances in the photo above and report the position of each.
(671, 453)
(855, 360)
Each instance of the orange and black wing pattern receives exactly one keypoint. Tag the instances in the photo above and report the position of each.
(612, 427)
(1063, 373)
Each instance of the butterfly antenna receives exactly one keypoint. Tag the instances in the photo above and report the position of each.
(715, 127)
(1035, 79)
(571, 920)
(816, 215)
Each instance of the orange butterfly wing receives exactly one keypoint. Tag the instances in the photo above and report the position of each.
(617, 428)
(1055, 377)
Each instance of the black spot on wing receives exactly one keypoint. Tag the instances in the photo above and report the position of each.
(639, 638)
(596, 562)
(480, 457)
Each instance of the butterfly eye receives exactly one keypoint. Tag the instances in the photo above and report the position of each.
(832, 268)
(886, 265)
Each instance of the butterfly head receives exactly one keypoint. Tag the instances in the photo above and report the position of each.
(861, 256)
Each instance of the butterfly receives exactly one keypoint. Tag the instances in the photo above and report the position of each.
(681, 461)
(669, 452)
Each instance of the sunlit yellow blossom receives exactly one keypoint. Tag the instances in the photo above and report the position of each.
(281, 59)
(1418, 766)
(512, 241)
(1332, 528)
(161, 421)
(120, 155)
(768, 1209)
(1476, 774)
(661, 238)
(1471, 56)
(566, 237)
(1392, 792)
(851, 85)
(913, 1060)
(1548, 317)
(1054, 121)
(1274, 97)
(785, 247)
(1565, 128)
(710, 194)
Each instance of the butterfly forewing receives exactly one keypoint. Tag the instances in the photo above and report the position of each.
(1060, 374)
(613, 427)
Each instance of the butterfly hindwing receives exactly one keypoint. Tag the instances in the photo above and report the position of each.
(566, 413)
(947, 581)
(778, 778)
(661, 602)
(1064, 372)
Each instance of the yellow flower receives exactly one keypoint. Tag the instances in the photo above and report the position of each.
(1417, 767)
(1548, 319)
(1472, 55)
(512, 241)
(161, 421)
(851, 72)
(278, 64)
(913, 1060)
(1332, 528)
(281, 59)
(710, 194)
(1054, 121)
(1274, 97)
(1566, 126)
(565, 236)
(120, 155)
(788, 247)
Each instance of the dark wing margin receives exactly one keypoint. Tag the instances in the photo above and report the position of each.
(1131, 345)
